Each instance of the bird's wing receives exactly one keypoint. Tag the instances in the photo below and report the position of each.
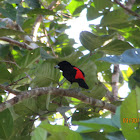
(82, 72)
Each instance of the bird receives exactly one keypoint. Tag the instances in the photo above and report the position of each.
(72, 73)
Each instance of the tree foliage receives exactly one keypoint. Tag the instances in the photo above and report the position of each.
(33, 40)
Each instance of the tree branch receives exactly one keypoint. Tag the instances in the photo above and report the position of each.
(127, 9)
(52, 4)
(9, 89)
(115, 80)
(129, 3)
(36, 27)
(14, 42)
(57, 92)
(12, 25)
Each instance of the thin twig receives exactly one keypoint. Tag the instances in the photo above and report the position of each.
(15, 82)
(127, 9)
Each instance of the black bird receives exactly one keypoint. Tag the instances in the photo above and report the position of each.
(72, 73)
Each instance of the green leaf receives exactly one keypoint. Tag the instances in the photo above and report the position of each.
(19, 16)
(4, 50)
(101, 66)
(29, 58)
(21, 138)
(130, 115)
(129, 57)
(33, 3)
(28, 24)
(94, 136)
(22, 128)
(116, 47)
(46, 75)
(114, 17)
(97, 91)
(40, 100)
(83, 112)
(72, 58)
(45, 55)
(115, 136)
(6, 124)
(79, 9)
(133, 37)
(9, 11)
(96, 124)
(39, 134)
(67, 50)
(61, 132)
(134, 79)
(60, 7)
(5, 75)
(6, 32)
(92, 13)
(74, 4)
(1, 99)
(18, 73)
(26, 107)
(91, 41)
(102, 4)
(116, 118)
(13, 1)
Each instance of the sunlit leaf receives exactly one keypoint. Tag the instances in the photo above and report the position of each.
(39, 134)
(99, 4)
(91, 41)
(116, 47)
(79, 9)
(74, 4)
(114, 17)
(92, 13)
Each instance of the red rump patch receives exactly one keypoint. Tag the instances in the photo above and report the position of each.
(79, 74)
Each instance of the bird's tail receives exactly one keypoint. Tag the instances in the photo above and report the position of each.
(82, 83)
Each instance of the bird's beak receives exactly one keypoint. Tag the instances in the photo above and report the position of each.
(57, 67)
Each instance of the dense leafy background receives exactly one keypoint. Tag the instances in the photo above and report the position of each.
(52, 46)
